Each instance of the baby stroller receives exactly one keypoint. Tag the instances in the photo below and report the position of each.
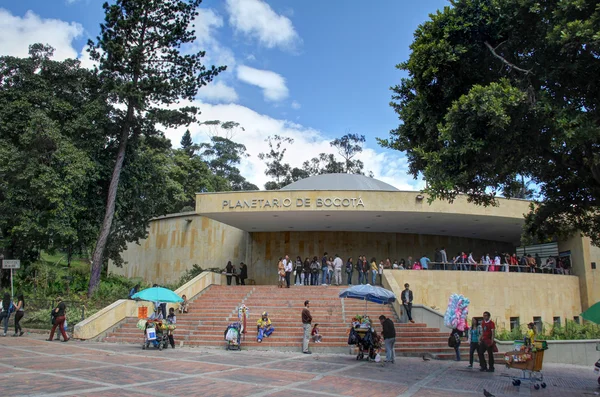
(155, 335)
(233, 336)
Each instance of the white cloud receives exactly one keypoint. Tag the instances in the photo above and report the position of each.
(257, 19)
(218, 92)
(272, 84)
(18, 33)
(296, 105)
(388, 166)
(206, 25)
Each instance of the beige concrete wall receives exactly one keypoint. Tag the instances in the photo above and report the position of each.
(175, 243)
(583, 253)
(374, 201)
(504, 295)
(267, 247)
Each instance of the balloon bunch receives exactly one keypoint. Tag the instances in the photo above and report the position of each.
(457, 311)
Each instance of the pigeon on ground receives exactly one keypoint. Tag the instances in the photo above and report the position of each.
(425, 358)
(487, 393)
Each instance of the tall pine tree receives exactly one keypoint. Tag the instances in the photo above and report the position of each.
(142, 67)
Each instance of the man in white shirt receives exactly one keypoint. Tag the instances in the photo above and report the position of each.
(337, 269)
(288, 267)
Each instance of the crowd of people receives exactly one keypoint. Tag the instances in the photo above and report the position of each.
(333, 270)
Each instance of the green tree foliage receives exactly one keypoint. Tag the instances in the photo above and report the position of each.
(223, 157)
(187, 144)
(501, 90)
(325, 163)
(142, 68)
(348, 147)
(53, 121)
(277, 168)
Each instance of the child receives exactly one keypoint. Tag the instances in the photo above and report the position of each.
(315, 334)
(171, 320)
(454, 342)
(183, 306)
(530, 334)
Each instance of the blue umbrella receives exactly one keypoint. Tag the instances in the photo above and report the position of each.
(369, 293)
(157, 294)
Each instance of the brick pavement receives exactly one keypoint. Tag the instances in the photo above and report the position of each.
(30, 366)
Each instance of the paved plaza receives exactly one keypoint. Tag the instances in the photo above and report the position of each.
(30, 366)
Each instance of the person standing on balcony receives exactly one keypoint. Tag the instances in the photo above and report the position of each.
(289, 268)
(229, 271)
(243, 273)
(306, 321)
(374, 268)
(324, 271)
(407, 298)
(280, 273)
(338, 263)
(444, 257)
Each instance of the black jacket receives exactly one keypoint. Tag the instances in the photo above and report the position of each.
(244, 272)
(388, 329)
(410, 296)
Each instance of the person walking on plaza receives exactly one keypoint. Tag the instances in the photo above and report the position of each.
(59, 320)
(473, 340)
(486, 343)
(306, 321)
(289, 268)
(19, 313)
(389, 338)
(407, 298)
(338, 263)
(5, 311)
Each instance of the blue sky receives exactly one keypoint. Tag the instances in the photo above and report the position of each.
(310, 70)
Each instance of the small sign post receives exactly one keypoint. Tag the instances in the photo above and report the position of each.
(11, 264)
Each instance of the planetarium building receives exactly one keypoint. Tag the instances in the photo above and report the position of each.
(352, 215)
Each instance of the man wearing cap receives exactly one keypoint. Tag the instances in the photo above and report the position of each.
(306, 320)
(264, 327)
(407, 298)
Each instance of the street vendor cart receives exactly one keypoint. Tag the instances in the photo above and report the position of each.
(528, 359)
(362, 334)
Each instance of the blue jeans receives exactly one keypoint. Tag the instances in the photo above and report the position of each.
(360, 277)
(325, 278)
(390, 354)
(374, 277)
(456, 349)
(349, 278)
(5, 316)
(262, 333)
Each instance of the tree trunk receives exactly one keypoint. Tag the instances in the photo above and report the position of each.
(98, 255)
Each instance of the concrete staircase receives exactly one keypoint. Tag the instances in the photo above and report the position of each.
(211, 312)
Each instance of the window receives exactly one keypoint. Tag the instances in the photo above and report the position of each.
(538, 324)
(514, 323)
(576, 319)
(556, 321)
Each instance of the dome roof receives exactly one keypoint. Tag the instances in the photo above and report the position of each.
(339, 182)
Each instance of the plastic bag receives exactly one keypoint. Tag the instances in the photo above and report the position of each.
(377, 358)
(141, 324)
(232, 335)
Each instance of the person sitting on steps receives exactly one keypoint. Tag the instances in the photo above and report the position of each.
(264, 327)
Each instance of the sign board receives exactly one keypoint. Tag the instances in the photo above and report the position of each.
(11, 264)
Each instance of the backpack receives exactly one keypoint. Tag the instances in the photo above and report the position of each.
(451, 341)
(11, 307)
(314, 267)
